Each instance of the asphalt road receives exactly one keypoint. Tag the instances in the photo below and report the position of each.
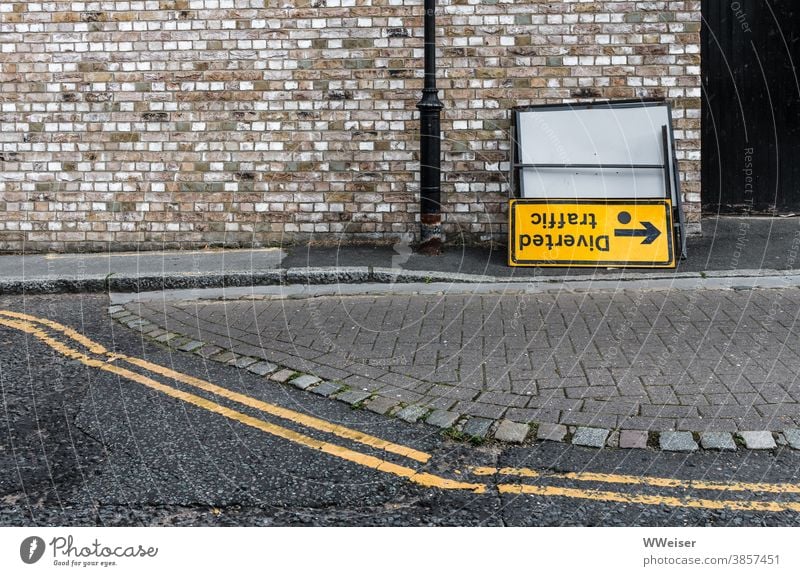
(81, 443)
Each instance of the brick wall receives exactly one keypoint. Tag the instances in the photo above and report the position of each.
(185, 123)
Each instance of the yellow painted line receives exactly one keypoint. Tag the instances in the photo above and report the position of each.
(781, 488)
(285, 413)
(274, 410)
(487, 471)
(90, 345)
(650, 500)
(422, 478)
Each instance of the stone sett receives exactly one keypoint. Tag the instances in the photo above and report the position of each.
(758, 440)
(176, 343)
(477, 427)
(591, 437)
(633, 439)
(208, 351)
(412, 413)
(282, 375)
(191, 346)
(717, 441)
(353, 396)
(380, 404)
(792, 436)
(508, 431)
(677, 441)
(304, 381)
(262, 368)
(326, 389)
(443, 418)
(245, 361)
(553, 432)
(224, 357)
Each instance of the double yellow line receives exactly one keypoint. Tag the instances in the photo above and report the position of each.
(97, 356)
(646, 481)
(108, 362)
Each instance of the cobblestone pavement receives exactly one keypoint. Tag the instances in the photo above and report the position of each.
(696, 360)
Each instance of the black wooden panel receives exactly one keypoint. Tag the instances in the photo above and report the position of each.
(751, 105)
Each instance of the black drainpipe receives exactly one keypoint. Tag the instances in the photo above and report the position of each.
(430, 145)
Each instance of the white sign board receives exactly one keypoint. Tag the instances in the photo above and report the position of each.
(618, 150)
(557, 142)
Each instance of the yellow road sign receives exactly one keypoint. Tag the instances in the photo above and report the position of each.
(546, 232)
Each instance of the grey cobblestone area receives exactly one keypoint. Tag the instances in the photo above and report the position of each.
(699, 361)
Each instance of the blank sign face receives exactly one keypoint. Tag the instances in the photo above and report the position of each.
(600, 134)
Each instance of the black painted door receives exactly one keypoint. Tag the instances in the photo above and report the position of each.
(751, 106)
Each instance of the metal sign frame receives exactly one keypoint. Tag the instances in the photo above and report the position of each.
(669, 164)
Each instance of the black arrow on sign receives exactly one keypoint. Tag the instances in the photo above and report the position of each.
(649, 232)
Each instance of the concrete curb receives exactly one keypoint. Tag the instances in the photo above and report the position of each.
(605, 280)
(96, 284)
(461, 426)
(330, 287)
